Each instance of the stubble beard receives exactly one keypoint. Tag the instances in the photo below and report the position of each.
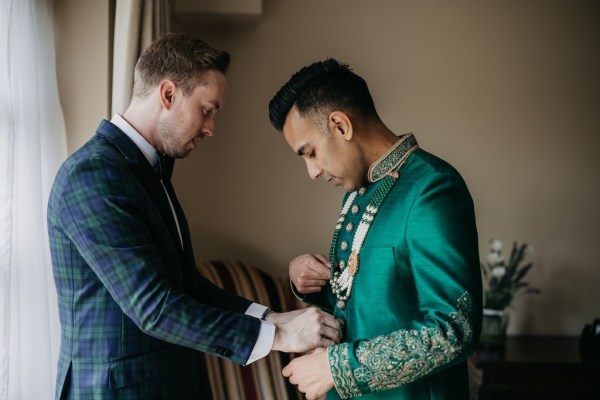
(171, 147)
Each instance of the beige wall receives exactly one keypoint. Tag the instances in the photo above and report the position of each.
(505, 91)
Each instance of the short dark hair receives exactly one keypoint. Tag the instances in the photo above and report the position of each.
(322, 87)
(180, 58)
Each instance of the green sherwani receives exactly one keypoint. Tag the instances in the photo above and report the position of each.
(414, 313)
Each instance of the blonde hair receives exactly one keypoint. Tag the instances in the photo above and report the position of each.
(177, 57)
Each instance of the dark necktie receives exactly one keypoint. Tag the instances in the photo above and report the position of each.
(164, 167)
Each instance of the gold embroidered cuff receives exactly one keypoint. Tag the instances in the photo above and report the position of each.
(343, 378)
(403, 356)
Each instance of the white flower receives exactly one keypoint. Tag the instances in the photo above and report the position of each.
(495, 246)
(495, 259)
(498, 272)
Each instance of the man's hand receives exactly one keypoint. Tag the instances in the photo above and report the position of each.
(302, 330)
(311, 373)
(309, 272)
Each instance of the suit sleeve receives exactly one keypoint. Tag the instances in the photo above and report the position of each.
(103, 213)
(443, 256)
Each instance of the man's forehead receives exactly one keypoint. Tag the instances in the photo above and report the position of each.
(295, 130)
(212, 80)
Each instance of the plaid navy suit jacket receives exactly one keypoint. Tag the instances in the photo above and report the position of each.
(134, 313)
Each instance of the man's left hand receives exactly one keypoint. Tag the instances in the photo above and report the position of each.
(311, 373)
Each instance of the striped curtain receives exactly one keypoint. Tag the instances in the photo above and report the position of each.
(261, 380)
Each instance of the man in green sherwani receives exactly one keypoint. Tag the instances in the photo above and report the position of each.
(402, 276)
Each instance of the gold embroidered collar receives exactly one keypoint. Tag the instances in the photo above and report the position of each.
(393, 158)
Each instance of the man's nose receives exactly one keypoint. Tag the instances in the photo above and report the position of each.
(314, 171)
(208, 128)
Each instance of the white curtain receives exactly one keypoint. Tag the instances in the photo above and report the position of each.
(32, 146)
(137, 23)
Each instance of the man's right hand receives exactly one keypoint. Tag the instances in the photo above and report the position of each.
(302, 330)
(309, 272)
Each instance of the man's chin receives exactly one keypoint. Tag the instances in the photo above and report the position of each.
(348, 187)
(179, 153)
(351, 187)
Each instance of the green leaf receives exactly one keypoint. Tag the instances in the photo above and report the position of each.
(513, 255)
(522, 272)
(517, 255)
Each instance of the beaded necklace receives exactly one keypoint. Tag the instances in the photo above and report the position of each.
(386, 169)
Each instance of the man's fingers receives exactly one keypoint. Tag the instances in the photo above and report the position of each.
(287, 371)
(309, 270)
(317, 271)
(325, 342)
(323, 269)
(330, 328)
(322, 259)
(312, 282)
(329, 320)
(331, 333)
(319, 267)
(310, 289)
(317, 282)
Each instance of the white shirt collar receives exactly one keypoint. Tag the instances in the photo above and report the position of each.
(140, 141)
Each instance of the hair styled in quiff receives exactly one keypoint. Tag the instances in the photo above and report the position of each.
(320, 88)
(177, 57)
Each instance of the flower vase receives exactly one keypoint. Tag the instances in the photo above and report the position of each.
(493, 329)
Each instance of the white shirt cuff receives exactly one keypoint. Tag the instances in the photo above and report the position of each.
(256, 310)
(266, 335)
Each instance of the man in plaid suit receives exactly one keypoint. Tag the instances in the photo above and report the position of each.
(134, 313)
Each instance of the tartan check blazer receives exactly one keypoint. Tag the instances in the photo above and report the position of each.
(134, 313)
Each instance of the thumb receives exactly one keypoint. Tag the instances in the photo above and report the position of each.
(287, 371)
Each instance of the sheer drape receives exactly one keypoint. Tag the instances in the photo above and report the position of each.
(137, 23)
(32, 146)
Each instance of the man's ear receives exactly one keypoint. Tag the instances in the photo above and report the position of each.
(167, 93)
(340, 124)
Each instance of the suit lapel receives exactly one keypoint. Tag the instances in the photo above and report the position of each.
(144, 172)
(183, 225)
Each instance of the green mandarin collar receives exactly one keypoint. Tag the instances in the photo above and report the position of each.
(393, 158)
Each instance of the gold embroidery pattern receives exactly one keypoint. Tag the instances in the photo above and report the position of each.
(395, 156)
(339, 363)
(401, 357)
